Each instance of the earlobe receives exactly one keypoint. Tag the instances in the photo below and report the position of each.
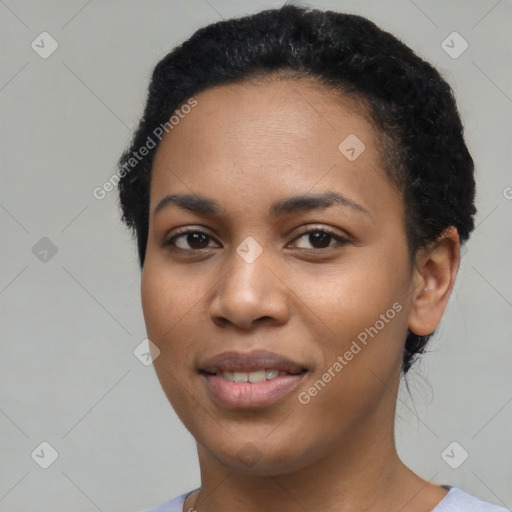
(433, 280)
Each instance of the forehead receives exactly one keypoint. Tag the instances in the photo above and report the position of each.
(257, 122)
(294, 107)
(270, 138)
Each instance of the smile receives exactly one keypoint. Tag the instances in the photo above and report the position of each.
(245, 394)
(237, 380)
(257, 376)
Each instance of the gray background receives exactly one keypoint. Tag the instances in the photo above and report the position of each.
(70, 324)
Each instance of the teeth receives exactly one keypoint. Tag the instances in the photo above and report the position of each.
(271, 374)
(240, 377)
(257, 376)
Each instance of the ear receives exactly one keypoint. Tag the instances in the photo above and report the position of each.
(433, 279)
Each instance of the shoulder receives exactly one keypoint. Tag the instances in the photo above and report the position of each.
(458, 500)
(174, 505)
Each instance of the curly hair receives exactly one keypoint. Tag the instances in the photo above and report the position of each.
(411, 106)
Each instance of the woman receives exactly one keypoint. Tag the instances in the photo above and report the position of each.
(299, 186)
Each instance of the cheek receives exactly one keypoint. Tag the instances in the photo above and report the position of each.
(168, 300)
(154, 297)
(165, 309)
(359, 350)
(352, 296)
(358, 313)
(169, 316)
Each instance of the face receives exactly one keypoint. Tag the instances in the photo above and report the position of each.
(276, 254)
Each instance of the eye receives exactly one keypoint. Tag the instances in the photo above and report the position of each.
(189, 240)
(321, 238)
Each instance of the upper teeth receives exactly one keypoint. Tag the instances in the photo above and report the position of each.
(258, 376)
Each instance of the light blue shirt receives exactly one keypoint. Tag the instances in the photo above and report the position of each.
(456, 500)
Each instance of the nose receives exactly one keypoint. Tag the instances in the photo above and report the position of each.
(250, 294)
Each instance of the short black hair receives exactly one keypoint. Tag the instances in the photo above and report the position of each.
(411, 106)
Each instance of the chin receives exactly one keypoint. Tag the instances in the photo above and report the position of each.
(260, 457)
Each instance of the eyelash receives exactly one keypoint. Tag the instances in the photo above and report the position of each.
(340, 240)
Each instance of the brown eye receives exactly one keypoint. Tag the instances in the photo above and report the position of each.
(189, 240)
(320, 239)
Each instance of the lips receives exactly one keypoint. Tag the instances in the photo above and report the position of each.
(238, 380)
(254, 361)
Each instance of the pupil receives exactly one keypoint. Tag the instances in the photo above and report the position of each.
(195, 239)
(319, 238)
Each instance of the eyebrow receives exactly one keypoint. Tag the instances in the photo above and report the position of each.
(205, 206)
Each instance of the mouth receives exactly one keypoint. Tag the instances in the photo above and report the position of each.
(252, 376)
(237, 380)
(251, 362)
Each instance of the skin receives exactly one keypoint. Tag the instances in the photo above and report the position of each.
(246, 146)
